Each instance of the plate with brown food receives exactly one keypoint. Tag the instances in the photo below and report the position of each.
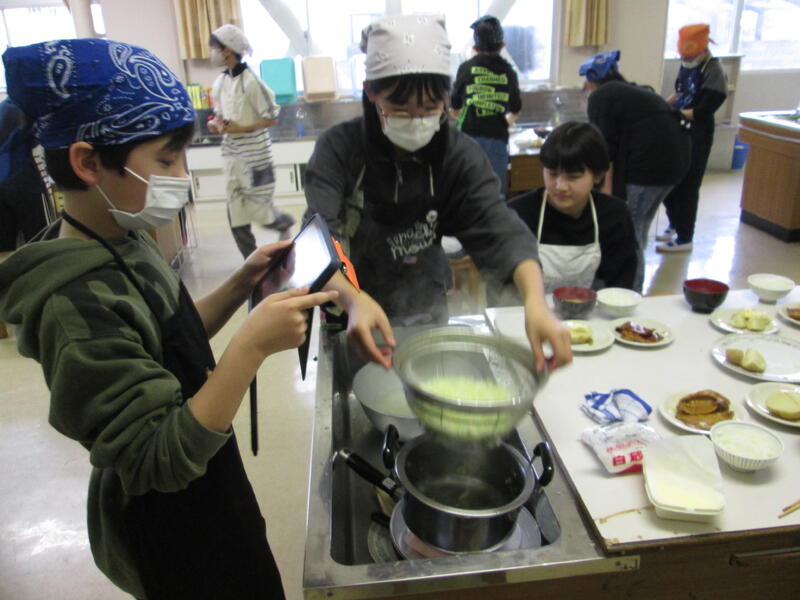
(641, 332)
(698, 411)
(743, 320)
(759, 356)
(588, 337)
(790, 313)
(778, 402)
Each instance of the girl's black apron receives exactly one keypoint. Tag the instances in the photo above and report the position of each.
(208, 540)
(396, 248)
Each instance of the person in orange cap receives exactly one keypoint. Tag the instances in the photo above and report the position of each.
(700, 89)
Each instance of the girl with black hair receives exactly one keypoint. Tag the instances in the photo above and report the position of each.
(391, 183)
(586, 238)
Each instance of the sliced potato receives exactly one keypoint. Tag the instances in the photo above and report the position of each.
(580, 334)
(734, 355)
(753, 361)
(739, 319)
(785, 405)
(752, 320)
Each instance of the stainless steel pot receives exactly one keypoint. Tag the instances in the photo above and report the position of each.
(462, 498)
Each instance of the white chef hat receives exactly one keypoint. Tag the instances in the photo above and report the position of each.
(232, 37)
(401, 45)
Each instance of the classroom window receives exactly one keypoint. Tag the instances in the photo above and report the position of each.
(764, 32)
(29, 22)
(334, 29)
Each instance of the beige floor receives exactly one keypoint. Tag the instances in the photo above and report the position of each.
(44, 552)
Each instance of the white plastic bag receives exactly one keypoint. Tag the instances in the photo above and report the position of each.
(620, 446)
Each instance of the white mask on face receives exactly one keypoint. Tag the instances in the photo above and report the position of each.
(217, 57)
(166, 196)
(691, 64)
(411, 134)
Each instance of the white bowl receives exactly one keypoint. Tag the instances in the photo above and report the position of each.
(745, 446)
(618, 302)
(769, 287)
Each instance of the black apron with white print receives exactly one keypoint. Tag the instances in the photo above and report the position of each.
(396, 248)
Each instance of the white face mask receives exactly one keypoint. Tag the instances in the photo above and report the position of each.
(217, 57)
(166, 196)
(411, 134)
(691, 64)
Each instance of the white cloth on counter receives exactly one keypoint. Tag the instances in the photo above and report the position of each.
(617, 405)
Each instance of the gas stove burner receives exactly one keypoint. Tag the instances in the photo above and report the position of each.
(385, 545)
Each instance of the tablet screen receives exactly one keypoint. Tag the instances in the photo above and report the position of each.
(310, 260)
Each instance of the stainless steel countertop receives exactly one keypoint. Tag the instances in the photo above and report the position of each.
(574, 552)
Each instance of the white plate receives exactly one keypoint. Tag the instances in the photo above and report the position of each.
(601, 336)
(667, 335)
(757, 396)
(669, 406)
(721, 319)
(781, 354)
(785, 315)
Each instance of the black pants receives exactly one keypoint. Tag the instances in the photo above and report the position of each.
(682, 201)
(244, 238)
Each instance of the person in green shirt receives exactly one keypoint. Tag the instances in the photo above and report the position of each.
(123, 348)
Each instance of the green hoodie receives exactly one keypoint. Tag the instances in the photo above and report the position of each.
(99, 344)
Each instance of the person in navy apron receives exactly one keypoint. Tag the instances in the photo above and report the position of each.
(700, 89)
(124, 349)
(586, 238)
(392, 182)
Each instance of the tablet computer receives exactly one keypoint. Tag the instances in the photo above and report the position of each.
(310, 260)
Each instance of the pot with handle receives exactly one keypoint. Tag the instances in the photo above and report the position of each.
(462, 499)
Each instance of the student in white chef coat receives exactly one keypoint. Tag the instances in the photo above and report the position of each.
(586, 238)
(245, 109)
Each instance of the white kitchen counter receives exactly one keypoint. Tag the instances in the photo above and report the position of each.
(617, 504)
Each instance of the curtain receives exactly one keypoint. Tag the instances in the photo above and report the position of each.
(587, 22)
(198, 18)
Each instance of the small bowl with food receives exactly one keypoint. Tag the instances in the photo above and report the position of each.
(574, 302)
(618, 302)
(745, 446)
(769, 287)
(704, 295)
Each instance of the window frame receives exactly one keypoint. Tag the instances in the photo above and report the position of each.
(396, 6)
(735, 46)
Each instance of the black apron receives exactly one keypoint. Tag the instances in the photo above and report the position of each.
(208, 540)
(396, 248)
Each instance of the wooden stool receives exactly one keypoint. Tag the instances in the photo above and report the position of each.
(464, 266)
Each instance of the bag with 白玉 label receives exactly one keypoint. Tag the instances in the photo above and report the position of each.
(620, 446)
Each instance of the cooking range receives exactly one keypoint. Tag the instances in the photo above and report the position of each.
(338, 564)
(367, 527)
(434, 495)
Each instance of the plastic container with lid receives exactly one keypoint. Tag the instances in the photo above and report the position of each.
(682, 478)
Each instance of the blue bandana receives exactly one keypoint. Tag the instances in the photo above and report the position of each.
(98, 91)
(600, 65)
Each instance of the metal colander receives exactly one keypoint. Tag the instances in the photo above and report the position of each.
(466, 385)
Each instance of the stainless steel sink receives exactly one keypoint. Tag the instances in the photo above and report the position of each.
(337, 559)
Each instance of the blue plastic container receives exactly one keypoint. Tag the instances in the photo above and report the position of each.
(279, 75)
(740, 150)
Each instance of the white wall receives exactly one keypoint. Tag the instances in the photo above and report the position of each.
(767, 90)
(635, 27)
(147, 23)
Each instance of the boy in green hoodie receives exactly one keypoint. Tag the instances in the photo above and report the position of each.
(124, 350)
